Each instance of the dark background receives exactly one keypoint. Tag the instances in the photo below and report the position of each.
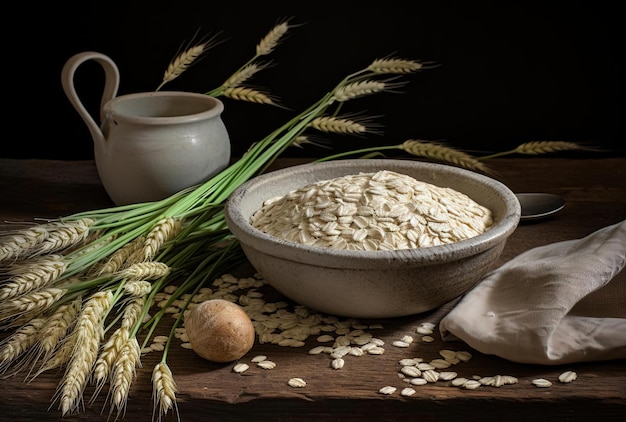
(509, 72)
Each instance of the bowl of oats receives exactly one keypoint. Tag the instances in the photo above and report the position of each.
(372, 238)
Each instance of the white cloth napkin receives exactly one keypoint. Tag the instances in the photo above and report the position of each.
(559, 303)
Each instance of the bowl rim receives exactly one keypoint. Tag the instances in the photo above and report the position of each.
(251, 237)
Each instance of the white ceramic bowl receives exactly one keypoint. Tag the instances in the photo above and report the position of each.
(372, 284)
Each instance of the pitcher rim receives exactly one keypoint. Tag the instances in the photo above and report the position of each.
(214, 111)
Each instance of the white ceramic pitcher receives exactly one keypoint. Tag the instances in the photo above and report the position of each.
(150, 145)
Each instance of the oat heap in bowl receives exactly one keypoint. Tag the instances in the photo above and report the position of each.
(383, 210)
(375, 238)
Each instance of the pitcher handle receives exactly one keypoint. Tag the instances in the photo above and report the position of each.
(111, 85)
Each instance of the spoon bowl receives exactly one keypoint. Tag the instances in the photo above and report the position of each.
(536, 206)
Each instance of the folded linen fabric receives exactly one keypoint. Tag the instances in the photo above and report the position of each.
(555, 304)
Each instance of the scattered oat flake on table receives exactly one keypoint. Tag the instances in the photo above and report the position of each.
(296, 382)
(387, 390)
(418, 381)
(240, 367)
(471, 384)
(266, 364)
(258, 358)
(424, 330)
(541, 382)
(407, 392)
(567, 377)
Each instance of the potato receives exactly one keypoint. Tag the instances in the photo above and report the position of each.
(219, 330)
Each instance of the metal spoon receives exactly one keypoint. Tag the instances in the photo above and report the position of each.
(539, 205)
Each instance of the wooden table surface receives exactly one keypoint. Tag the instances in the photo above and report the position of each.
(595, 194)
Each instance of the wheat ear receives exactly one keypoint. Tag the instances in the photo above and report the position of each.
(248, 94)
(144, 271)
(331, 124)
(21, 242)
(162, 231)
(56, 328)
(124, 370)
(64, 234)
(19, 342)
(163, 391)
(30, 303)
(32, 275)
(544, 147)
(244, 74)
(444, 154)
(394, 65)
(88, 332)
(272, 39)
(182, 63)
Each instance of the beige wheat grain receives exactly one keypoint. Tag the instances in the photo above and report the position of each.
(544, 147)
(163, 391)
(27, 276)
(397, 66)
(248, 94)
(443, 153)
